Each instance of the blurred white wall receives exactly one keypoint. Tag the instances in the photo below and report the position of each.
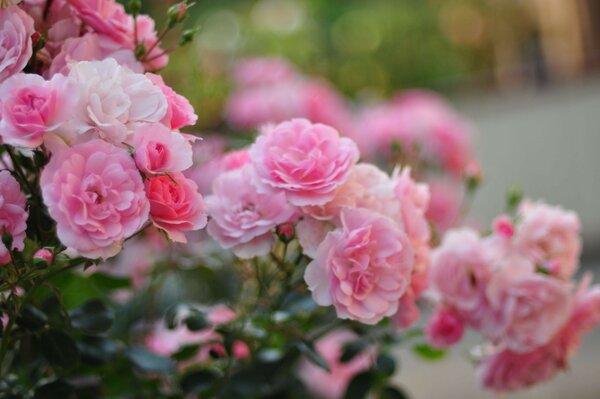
(548, 143)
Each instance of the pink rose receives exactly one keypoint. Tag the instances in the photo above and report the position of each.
(444, 329)
(242, 218)
(586, 307)
(509, 371)
(333, 384)
(263, 71)
(13, 214)
(157, 58)
(408, 313)
(534, 307)
(311, 232)
(180, 112)
(31, 107)
(16, 28)
(92, 47)
(235, 159)
(446, 202)
(113, 100)
(551, 236)
(460, 269)
(362, 268)
(45, 255)
(304, 160)
(176, 206)
(366, 187)
(96, 195)
(160, 150)
(207, 154)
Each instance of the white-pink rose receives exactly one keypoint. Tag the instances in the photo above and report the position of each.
(31, 106)
(16, 28)
(333, 384)
(305, 161)
(180, 112)
(534, 307)
(160, 150)
(551, 236)
(362, 268)
(242, 218)
(176, 206)
(13, 214)
(96, 195)
(113, 99)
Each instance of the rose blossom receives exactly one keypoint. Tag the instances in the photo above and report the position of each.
(362, 268)
(263, 71)
(460, 269)
(304, 160)
(13, 215)
(113, 99)
(534, 307)
(160, 150)
(333, 384)
(31, 106)
(16, 28)
(551, 235)
(444, 329)
(176, 206)
(242, 218)
(92, 47)
(106, 17)
(44, 255)
(96, 195)
(180, 112)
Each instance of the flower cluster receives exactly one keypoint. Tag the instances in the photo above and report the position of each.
(110, 131)
(416, 128)
(515, 287)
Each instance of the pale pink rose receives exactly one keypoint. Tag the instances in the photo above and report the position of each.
(551, 236)
(586, 307)
(243, 219)
(509, 371)
(16, 28)
(408, 313)
(444, 329)
(367, 187)
(113, 99)
(534, 307)
(96, 195)
(31, 106)
(311, 232)
(305, 161)
(503, 226)
(235, 159)
(92, 47)
(446, 202)
(176, 206)
(160, 150)
(106, 17)
(13, 214)
(180, 112)
(333, 384)
(207, 165)
(323, 104)
(460, 269)
(263, 71)
(362, 268)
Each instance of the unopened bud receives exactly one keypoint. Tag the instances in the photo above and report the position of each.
(514, 198)
(135, 7)
(43, 255)
(187, 36)
(285, 232)
(176, 14)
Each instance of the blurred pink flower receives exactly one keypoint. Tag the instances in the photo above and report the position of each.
(551, 236)
(242, 218)
(16, 28)
(96, 195)
(305, 161)
(362, 268)
(13, 214)
(444, 329)
(176, 206)
(332, 385)
(263, 71)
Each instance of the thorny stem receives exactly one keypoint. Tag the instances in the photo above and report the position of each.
(18, 170)
(156, 43)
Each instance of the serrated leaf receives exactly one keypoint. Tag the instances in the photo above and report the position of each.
(97, 350)
(313, 356)
(352, 349)
(32, 318)
(148, 361)
(93, 317)
(360, 386)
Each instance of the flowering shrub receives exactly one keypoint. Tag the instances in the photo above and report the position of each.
(314, 263)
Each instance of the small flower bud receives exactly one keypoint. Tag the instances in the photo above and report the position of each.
(135, 7)
(187, 36)
(285, 232)
(176, 14)
(43, 255)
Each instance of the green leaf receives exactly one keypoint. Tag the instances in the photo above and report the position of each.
(185, 353)
(148, 361)
(199, 381)
(352, 349)
(196, 321)
(59, 348)
(391, 392)
(97, 351)
(93, 317)
(360, 385)
(312, 355)
(429, 353)
(385, 365)
(32, 318)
